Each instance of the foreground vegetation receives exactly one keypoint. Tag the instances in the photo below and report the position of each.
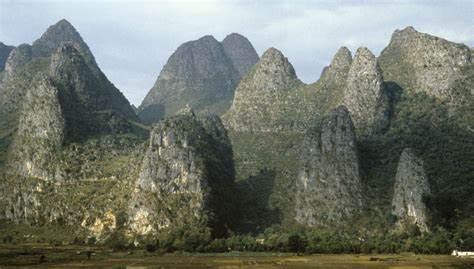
(274, 239)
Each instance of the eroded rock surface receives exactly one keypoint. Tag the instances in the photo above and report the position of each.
(328, 184)
(186, 174)
(411, 185)
(40, 132)
(363, 90)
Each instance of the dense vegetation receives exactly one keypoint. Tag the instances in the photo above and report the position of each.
(273, 239)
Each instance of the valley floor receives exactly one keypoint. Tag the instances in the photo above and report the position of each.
(45, 256)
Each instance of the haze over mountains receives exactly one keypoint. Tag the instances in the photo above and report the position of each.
(226, 142)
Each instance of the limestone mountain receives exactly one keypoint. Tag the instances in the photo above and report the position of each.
(62, 55)
(45, 126)
(98, 107)
(202, 73)
(63, 124)
(74, 155)
(261, 95)
(411, 186)
(363, 90)
(54, 36)
(241, 52)
(419, 62)
(335, 75)
(266, 122)
(188, 170)
(81, 103)
(328, 188)
(55, 103)
(45, 46)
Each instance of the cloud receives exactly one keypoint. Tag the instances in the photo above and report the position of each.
(132, 40)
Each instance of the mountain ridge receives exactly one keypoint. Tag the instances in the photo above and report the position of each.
(286, 160)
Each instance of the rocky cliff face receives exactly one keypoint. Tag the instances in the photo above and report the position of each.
(363, 91)
(186, 176)
(328, 185)
(261, 98)
(40, 132)
(423, 63)
(4, 52)
(199, 73)
(411, 185)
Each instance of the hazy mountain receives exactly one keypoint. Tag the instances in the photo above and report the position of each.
(202, 74)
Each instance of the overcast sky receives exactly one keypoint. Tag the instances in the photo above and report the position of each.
(131, 40)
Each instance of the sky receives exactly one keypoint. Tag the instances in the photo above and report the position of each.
(132, 40)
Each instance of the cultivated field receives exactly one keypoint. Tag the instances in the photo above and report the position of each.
(43, 256)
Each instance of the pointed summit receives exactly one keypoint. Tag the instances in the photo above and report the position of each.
(271, 73)
(241, 52)
(364, 88)
(261, 90)
(61, 32)
(274, 64)
(335, 75)
(342, 59)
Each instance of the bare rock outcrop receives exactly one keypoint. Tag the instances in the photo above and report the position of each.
(328, 185)
(363, 91)
(411, 185)
(40, 132)
(186, 176)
